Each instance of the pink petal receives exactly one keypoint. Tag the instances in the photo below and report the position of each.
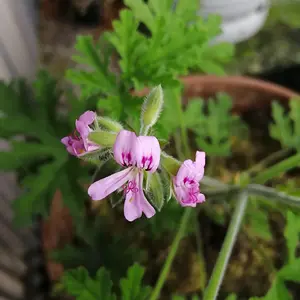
(132, 207)
(125, 147)
(201, 198)
(66, 140)
(200, 159)
(78, 148)
(88, 117)
(103, 187)
(82, 128)
(147, 209)
(148, 153)
(186, 170)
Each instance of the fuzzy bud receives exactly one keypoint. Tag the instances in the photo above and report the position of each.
(152, 107)
(109, 124)
(103, 138)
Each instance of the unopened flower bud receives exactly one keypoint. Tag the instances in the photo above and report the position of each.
(103, 138)
(109, 124)
(152, 107)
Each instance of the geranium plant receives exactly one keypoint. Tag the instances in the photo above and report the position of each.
(158, 161)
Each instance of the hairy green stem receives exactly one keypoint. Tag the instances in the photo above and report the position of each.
(173, 250)
(273, 195)
(270, 160)
(215, 282)
(278, 168)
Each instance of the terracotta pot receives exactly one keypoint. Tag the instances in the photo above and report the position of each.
(247, 93)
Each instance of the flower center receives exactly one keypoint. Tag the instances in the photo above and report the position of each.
(130, 187)
(189, 182)
(75, 135)
(126, 159)
(147, 162)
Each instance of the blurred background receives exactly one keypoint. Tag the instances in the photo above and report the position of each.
(36, 34)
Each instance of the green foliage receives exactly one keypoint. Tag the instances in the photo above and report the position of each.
(290, 271)
(179, 41)
(131, 286)
(166, 221)
(213, 125)
(286, 126)
(284, 12)
(177, 297)
(39, 154)
(258, 220)
(99, 80)
(231, 297)
(97, 246)
(78, 283)
(291, 233)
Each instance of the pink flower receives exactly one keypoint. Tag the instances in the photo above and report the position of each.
(186, 182)
(78, 144)
(138, 154)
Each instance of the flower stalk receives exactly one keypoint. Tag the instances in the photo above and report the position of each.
(173, 250)
(216, 279)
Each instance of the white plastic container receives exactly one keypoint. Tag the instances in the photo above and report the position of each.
(241, 18)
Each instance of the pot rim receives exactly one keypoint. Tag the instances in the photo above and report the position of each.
(243, 82)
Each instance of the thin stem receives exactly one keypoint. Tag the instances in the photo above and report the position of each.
(215, 282)
(201, 260)
(272, 158)
(178, 146)
(272, 194)
(174, 247)
(277, 169)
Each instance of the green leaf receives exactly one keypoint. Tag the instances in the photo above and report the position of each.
(79, 284)
(23, 153)
(177, 297)
(259, 224)
(214, 128)
(156, 190)
(141, 12)
(47, 96)
(231, 297)
(278, 291)
(21, 124)
(72, 194)
(131, 286)
(178, 41)
(291, 234)
(167, 124)
(31, 202)
(13, 101)
(192, 113)
(100, 79)
(286, 126)
(290, 272)
(213, 57)
(112, 106)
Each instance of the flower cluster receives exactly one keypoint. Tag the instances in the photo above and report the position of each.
(138, 155)
(78, 143)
